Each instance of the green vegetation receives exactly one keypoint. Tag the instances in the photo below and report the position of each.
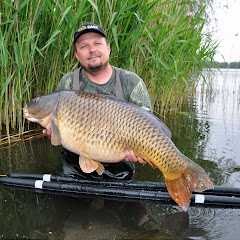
(162, 41)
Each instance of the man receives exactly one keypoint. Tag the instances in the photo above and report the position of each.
(96, 75)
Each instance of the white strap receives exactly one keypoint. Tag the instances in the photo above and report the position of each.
(39, 184)
(199, 198)
(76, 85)
(47, 177)
(118, 85)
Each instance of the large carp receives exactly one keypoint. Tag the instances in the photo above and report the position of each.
(101, 128)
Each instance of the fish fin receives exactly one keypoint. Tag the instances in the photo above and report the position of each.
(193, 178)
(100, 169)
(87, 164)
(55, 136)
(151, 164)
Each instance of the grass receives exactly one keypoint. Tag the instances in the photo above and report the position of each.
(162, 41)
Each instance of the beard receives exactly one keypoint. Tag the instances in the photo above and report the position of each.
(95, 69)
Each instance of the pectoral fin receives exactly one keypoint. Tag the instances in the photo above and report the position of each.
(55, 136)
(88, 165)
(100, 169)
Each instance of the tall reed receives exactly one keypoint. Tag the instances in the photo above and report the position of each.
(162, 41)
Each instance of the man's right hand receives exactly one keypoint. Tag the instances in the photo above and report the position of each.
(48, 132)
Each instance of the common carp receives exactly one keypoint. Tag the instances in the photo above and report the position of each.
(101, 128)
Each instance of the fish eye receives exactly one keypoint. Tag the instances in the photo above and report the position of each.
(36, 99)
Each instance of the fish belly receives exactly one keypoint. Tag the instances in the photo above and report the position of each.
(84, 142)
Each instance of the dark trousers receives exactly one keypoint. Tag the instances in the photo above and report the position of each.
(69, 166)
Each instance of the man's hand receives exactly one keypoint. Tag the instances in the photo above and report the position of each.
(130, 157)
(48, 132)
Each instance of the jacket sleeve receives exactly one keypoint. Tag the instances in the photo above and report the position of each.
(140, 96)
(136, 91)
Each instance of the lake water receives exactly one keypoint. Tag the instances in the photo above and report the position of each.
(207, 131)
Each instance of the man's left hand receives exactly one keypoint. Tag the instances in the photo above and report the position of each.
(130, 157)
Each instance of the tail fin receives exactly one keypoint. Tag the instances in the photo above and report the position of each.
(194, 178)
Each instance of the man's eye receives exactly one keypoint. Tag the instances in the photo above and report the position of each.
(83, 46)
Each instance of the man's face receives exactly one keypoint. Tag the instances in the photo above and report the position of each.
(92, 51)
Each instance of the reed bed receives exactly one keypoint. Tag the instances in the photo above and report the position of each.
(8, 141)
(162, 41)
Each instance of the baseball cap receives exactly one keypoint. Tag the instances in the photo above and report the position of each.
(88, 27)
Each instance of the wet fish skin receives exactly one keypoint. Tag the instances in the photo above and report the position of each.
(101, 128)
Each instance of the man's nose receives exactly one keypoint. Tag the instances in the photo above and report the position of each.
(92, 48)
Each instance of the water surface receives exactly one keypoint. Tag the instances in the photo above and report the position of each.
(208, 134)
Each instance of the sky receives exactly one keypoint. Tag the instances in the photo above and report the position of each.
(227, 26)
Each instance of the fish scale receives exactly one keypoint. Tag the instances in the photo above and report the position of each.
(101, 128)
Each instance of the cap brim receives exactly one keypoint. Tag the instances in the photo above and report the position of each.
(87, 31)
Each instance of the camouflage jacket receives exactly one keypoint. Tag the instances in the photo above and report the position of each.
(133, 87)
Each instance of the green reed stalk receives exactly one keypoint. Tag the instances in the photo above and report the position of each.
(162, 41)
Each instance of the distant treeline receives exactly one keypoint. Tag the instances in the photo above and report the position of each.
(225, 64)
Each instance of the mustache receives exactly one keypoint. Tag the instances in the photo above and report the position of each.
(93, 55)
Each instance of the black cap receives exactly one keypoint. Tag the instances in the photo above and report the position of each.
(88, 27)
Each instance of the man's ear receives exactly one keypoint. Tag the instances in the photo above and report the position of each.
(109, 48)
(75, 52)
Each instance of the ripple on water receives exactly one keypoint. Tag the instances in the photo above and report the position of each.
(217, 223)
(199, 214)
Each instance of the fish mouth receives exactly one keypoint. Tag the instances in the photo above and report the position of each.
(33, 118)
(25, 112)
(27, 115)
